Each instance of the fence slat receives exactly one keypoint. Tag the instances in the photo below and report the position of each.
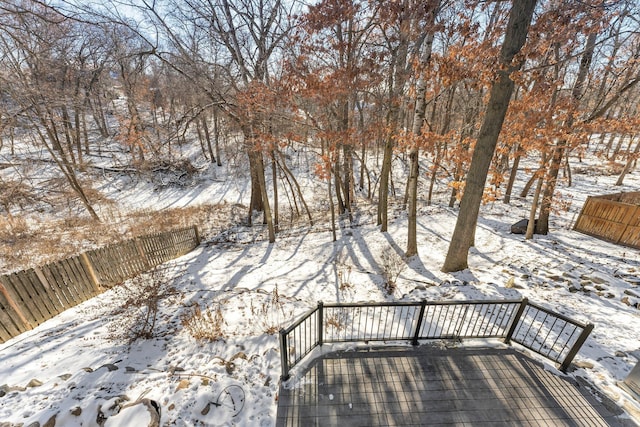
(65, 293)
(55, 291)
(80, 277)
(13, 322)
(70, 280)
(48, 299)
(614, 218)
(30, 297)
(13, 284)
(83, 275)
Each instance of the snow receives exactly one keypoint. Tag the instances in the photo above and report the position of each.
(83, 364)
(133, 415)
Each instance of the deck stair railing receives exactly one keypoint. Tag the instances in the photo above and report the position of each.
(543, 331)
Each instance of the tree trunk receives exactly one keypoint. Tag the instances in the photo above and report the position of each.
(65, 167)
(531, 226)
(332, 206)
(207, 137)
(265, 198)
(338, 183)
(527, 187)
(85, 132)
(567, 169)
(78, 136)
(347, 181)
(616, 151)
(627, 167)
(201, 139)
(216, 136)
(418, 121)
(516, 33)
(274, 177)
(396, 83)
(288, 173)
(412, 240)
(383, 191)
(256, 203)
(434, 176)
(98, 116)
(512, 177)
(558, 154)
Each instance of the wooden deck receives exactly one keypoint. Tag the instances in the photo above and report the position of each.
(431, 387)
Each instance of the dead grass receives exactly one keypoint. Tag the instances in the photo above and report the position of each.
(207, 325)
(28, 242)
(270, 315)
(142, 295)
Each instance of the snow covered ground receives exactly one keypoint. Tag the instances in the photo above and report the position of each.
(81, 369)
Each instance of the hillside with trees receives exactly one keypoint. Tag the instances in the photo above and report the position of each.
(386, 100)
(335, 150)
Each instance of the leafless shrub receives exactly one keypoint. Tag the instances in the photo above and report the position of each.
(138, 315)
(207, 325)
(392, 266)
(337, 321)
(270, 315)
(344, 276)
(15, 193)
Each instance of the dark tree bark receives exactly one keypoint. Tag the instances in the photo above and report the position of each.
(516, 34)
(205, 127)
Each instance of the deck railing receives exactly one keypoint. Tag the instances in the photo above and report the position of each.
(543, 331)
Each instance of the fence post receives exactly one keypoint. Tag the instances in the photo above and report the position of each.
(90, 271)
(18, 310)
(195, 229)
(582, 212)
(416, 334)
(284, 356)
(516, 320)
(576, 347)
(320, 322)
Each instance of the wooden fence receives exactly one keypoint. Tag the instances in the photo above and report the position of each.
(615, 218)
(31, 297)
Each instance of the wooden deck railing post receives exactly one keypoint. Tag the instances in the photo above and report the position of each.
(516, 320)
(576, 347)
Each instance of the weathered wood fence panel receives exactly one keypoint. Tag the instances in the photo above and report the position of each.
(31, 297)
(613, 218)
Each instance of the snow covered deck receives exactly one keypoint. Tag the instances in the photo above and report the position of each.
(430, 386)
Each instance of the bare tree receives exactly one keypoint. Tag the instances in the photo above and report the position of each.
(38, 47)
(418, 122)
(516, 34)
